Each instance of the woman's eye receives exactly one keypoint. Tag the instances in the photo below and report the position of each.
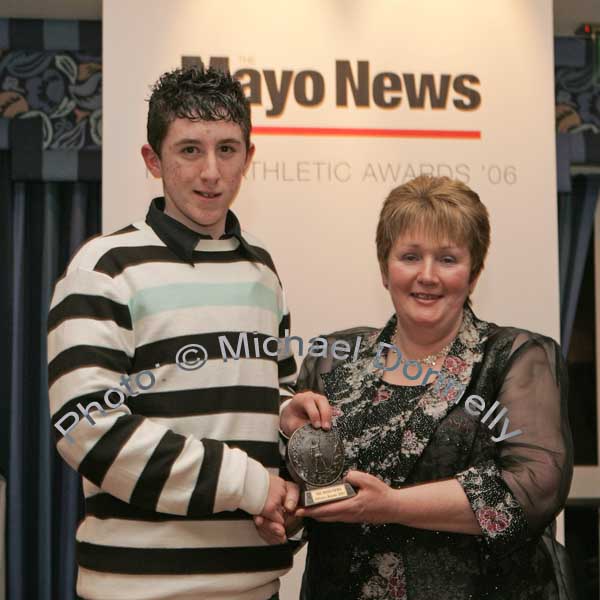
(449, 260)
(410, 257)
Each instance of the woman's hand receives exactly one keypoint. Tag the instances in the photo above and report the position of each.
(306, 407)
(375, 502)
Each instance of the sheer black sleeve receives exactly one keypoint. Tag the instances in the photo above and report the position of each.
(519, 492)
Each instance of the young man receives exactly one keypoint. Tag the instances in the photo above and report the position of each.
(177, 448)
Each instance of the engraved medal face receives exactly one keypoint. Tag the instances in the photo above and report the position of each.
(316, 456)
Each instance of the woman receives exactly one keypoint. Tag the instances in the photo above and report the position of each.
(458, 477)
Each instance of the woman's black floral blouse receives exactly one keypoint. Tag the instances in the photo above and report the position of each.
(406, 435)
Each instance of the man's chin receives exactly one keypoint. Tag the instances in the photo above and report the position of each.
(208, 219)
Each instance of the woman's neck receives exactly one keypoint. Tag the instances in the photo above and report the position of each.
(416, 342)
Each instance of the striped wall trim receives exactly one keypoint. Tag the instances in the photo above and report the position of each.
(5, 133)
(51, 34)
(30, 162)
(182, 561)
(573, 52)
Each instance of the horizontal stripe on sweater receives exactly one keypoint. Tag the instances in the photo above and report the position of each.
(182, 561)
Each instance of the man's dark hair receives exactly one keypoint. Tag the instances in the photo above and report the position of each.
(196, 93)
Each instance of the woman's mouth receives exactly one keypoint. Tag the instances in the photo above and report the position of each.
(426, 297)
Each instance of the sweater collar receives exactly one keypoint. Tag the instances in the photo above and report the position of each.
(182, 240)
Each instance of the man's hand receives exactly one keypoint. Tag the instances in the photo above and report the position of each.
(275, 533)
(283, 496)
(306, 407)
(271, 523)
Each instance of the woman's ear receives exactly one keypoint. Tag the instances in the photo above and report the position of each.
(473, 283)
(384, 280)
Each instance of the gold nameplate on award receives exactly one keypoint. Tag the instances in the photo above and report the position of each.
(315, 459)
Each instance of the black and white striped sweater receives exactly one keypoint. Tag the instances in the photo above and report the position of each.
(173, 474)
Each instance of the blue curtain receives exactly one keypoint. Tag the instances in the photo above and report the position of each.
(576, 211)
(42, 224)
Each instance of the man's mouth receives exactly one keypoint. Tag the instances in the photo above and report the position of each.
(208, 195)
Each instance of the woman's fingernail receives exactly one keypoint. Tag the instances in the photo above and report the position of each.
(317, 423)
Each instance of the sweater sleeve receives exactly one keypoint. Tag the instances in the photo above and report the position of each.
(91, 345)
(519, 492)
(286, 362)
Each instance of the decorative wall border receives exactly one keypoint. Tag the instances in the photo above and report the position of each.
(577, 107)
(50, 99)
(37, 34)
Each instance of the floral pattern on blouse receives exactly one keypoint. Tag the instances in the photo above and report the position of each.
(498, 513)
(385, 429)
(354, 388)
(388, 580)
(383, 434)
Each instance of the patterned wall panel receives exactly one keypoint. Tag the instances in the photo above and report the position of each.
(51, 98)
(577, 93)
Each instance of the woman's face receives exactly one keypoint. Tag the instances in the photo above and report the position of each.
(428, 280)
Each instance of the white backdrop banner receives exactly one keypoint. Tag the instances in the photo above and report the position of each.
(350, 99)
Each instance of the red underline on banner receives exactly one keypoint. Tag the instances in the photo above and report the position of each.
(367, 132)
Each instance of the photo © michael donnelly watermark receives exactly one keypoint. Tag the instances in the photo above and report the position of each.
(192, 357)
(195, 356)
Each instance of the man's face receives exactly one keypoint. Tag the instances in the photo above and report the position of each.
(201, 164)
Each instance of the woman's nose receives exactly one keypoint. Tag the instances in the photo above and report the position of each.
(427, 274)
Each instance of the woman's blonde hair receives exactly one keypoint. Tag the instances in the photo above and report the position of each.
(440, 208)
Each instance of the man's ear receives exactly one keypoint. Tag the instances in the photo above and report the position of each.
(152, 161)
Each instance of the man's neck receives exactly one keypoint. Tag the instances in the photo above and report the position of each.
(215, 231)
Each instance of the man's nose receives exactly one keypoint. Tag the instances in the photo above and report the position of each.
(210, 168)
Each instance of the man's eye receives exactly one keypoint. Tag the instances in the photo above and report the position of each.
(227, 149)
(190, 150)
